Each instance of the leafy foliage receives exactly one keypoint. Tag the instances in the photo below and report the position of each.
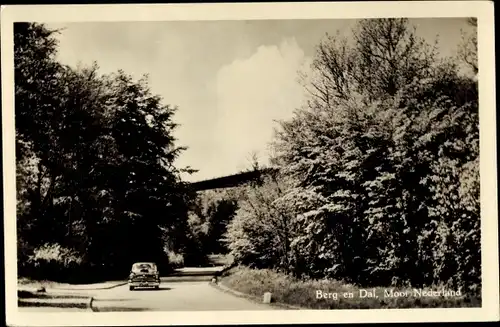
(210, 214)
(259, 234)
(94, 161)
(53, 259)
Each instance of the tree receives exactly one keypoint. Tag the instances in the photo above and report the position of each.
(36, 75)
(260, 233)
(376, 153)
(95, 161)
(211, 213)
(467, 51)
(386, 56)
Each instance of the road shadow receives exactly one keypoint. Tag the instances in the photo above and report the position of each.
(119, 309)
(151, 289)
(191, 274)
(216, 260)
(97, 300)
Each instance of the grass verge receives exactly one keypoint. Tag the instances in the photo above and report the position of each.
(30, 283)
(288, 290)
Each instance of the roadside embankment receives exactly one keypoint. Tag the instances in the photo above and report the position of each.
(332, 294)
(27, 298)
(54, 295)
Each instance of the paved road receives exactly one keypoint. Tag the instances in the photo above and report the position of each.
(173, 296)
(189, 291)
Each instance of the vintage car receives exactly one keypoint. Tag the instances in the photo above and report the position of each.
(144, 274)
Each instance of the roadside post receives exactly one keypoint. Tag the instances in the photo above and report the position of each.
(267, 298)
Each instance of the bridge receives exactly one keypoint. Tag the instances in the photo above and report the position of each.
(231, 180)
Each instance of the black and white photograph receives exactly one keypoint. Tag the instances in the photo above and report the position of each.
(170, 162)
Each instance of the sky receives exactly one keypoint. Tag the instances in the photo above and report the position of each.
(231, 80)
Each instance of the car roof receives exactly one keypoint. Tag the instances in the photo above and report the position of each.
(144, 263)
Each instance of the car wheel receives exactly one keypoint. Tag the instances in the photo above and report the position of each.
(131, 288)
(157, 287)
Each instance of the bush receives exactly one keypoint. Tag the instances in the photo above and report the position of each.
(176, 260)
(55, 262)
(55, 252)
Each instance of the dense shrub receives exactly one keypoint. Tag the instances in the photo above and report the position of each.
(54, 262)
(176, 260)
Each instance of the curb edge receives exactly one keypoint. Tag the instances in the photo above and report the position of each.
(253, 298)
(86, 289)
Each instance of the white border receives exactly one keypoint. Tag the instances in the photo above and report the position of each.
(411, 9)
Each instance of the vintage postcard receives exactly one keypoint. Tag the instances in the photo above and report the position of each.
(249, 163)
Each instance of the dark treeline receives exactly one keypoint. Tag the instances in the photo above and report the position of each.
(379, 181)
(96, 186)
